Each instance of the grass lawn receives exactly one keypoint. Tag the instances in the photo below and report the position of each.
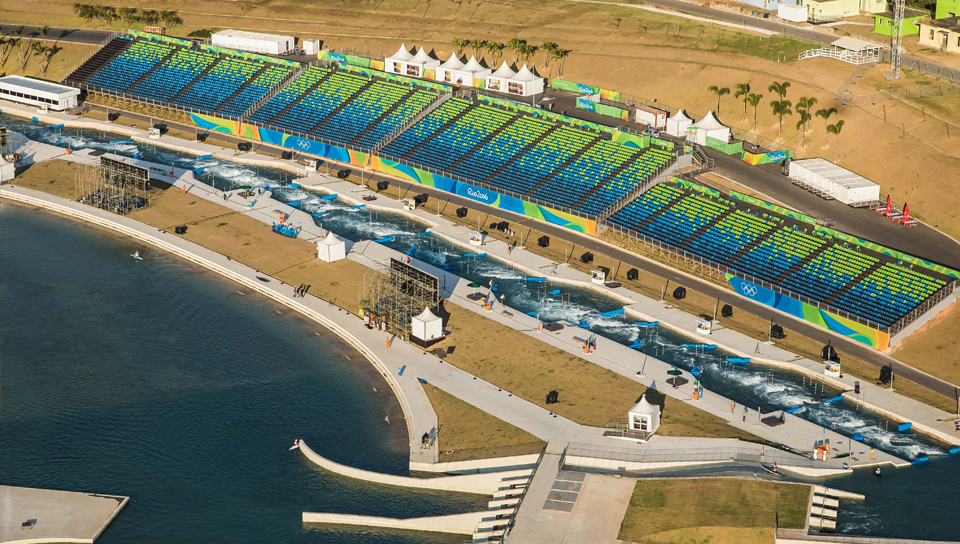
(54, 177)
(471, 433)
(715, 510)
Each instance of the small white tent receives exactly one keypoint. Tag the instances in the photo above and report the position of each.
(497, 81)
(678, 124)
(7, 170)
(395, 62)
(426, 327)
(709, 127)
(525, 83)
(419, 64)
(331, 248)
(454, 71)
(644, 417)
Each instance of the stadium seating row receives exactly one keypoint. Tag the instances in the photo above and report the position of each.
(256, 90)
(173, 75)
(138, 59)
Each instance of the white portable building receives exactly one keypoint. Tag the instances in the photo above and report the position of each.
(8, 170)
(38, 93)
(645, 115)
(405, 63)
(311, 47)
(792, 13)
(708, 127)
(426, 327)
(454, 71)
(331, 248)
(678, 124)
(644, 417)
(254, 42)
(832, 181)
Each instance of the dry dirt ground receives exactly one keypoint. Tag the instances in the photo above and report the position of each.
(65, 57)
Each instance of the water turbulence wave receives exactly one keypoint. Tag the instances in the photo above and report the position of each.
(754, 385)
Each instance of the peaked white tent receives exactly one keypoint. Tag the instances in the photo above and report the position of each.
(426, 327)
(407, 64)
(523, 82)
(709, 127)
(678, 124)
(644, 417)
(454, 71)
(497, 81)
(331, 248)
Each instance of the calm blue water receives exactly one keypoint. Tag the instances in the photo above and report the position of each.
(161, 381)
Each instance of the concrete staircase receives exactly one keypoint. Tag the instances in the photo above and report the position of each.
(100, 59)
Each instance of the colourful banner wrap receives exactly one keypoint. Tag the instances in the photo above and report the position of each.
(281, 139)
(695, 186)
(546, 114)
(632, 140)
(573, 87)
(250, 56)
(486, 196)
(602, 109)
(766, 158)
(774, 208)
(841, 325)
(724, 147)
(613, 96)
(158, 37)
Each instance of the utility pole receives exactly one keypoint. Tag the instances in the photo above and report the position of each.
(897, 40)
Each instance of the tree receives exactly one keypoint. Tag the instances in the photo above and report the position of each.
(779, 88)
(150, 17)
(515, 45)
(107, 13)
(619, 20)
(84, 11)
(478, 46)
(130, 15)
(43, 31)
(496, 50)
(781, 108)
(719, 91)
(559, 55)
(170, 18)
(835, 129)
(527, 51)
(743, 89)
(46, 54)
(547, 48)
(460, 43)
(825, 114)
(804, 105)
(754, 100)
(18, 42)
(4, 44)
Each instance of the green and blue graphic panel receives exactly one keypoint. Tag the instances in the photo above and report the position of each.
(801, 310)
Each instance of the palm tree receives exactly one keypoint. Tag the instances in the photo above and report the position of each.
(547, 48)
(170, 18)
(754, 100)
(528, 51)
(478, 46)
(459, 43)
(150, 17)
(835, 129)
(84, 11)
(43, 31)
(719, 91)
(496, 50)
(17, 33)
(743, 89)
(129, 15)
(559, 55)
(825, 114)
(4, 44)
(779, 88)
(515, 45)
(805, 117)
(781, 108)
(107, 13)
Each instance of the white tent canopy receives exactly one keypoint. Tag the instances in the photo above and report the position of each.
(644, 417)
(426, 327)
(455, 71)
(678, 124)
(331, 248)
(523, 82)
(709, 127)
(404, 63)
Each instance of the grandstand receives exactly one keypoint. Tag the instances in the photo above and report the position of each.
(786, 255)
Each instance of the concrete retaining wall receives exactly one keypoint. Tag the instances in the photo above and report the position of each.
(629, 466)
(461, 524)
(497, 464)
(485, 484)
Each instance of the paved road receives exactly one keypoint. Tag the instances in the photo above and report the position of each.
(632, 260)
(72, 35)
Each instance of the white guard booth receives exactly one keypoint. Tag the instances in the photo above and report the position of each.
(426, 328)
(709, 127)
(454, 71)
(406, 64)
(331, 248)
(644, 417)
(678, 124)
(254, 42)
(645, 115)
(832, 181)
(38, 93)
(792, 13)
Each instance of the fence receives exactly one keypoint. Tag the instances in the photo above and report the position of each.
(904, 93)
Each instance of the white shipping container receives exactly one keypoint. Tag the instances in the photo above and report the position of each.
(835, 181)
(792, 13)
(254, 42)
(646, 115)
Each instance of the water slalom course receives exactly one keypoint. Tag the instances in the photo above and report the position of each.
(750, 384)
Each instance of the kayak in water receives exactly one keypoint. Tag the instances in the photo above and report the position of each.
(136, 255)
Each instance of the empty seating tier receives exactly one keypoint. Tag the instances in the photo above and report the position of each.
(256, 90)
(649, 203)
(502, 148)
(449, 145)
(648, 163)
(828, 272)
(584, 174)
(363, 110)
(540, 161)
(176, 73)
(683, 219)
(323, 100)
(224, 79)
(426, 128)
(131, 65)
(405, 111)
(888, 293)
(774, 256)
(289, 94)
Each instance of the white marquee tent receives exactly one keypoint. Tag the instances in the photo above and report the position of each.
(331, 248)
(644, 417)
(406, 64)
(678, 124)
(523, 82)
(709, 127)
(426, 327)
(454, 71)
(827, 179)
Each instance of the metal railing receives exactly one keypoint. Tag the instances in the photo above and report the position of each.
(852, 57)
(637, 190)
(523, 494)
(901, 93)
(430, 108)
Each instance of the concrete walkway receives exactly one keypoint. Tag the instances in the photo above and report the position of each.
(58, 516)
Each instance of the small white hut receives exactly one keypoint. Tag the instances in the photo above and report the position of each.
(709, 127)
(447, 72)
(426, 328)
(525, 83)
(644, 417)
(331, 248)
(8, 170)
(678, 124)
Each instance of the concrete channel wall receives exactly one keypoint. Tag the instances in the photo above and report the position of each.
(461, 524)
(498, 464)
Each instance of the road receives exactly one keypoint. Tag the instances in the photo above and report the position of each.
(72, 35)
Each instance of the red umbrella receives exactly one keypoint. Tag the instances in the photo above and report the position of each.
(906, 213)
(888, 204)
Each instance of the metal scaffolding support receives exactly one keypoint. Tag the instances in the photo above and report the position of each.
(397, 293)
(897, 40)
(114, 186)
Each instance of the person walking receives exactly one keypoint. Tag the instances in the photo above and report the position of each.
(744, 414)
(872, 458)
